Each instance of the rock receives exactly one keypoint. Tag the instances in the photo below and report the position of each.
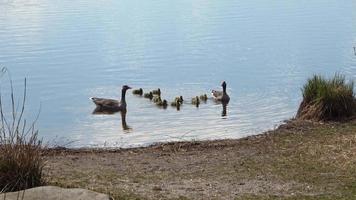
(54, 193)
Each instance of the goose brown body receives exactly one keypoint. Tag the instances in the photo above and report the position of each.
(112, 105)
(221, 95)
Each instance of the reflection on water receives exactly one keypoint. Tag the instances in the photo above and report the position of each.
(100, 111)
(123, 122)
(265, 50)
(224, 110)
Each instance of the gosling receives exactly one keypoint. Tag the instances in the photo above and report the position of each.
(157, 92)
(138, 92)
(180, 99)
(163, 103)
(156, 99)
(204, 97)
(148, 95)
(196, 101)
(176, 103)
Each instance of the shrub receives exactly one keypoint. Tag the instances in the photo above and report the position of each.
(21, 163)
(327, 99)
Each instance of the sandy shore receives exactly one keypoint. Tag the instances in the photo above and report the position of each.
(299, 160)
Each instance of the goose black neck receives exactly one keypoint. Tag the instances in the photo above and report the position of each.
(224, 88)
(123, 94)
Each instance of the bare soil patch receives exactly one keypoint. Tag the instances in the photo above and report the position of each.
(299, 160)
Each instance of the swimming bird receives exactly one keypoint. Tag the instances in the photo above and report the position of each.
(112, 105)
(148, 95)
(196, 101)
(204, 97)
(157, 92)
(221, 95)
(179, 99)
(156, 99)
(138, 92)
(163, 103)
(177, 102)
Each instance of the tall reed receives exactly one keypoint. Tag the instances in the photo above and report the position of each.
(21, 164)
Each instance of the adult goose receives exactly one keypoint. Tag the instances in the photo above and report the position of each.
(221, 95)
(111, 105)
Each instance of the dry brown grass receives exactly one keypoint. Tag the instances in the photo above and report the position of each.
(21, 163)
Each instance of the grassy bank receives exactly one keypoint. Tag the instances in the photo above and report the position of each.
(327, 99)
(299, 160)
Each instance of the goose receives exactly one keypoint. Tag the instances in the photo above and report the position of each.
(221, 95)
(111, 105)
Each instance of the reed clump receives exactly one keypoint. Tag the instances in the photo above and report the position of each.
(327, 99)
(21, 164)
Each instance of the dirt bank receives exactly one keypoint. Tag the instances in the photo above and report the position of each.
(299, 160)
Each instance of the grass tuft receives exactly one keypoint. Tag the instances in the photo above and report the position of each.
(327, 99)
(21, 164)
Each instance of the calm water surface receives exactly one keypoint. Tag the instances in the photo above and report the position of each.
(265, 50)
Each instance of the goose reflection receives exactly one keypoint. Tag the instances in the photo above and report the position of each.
(224, 110)
(125, 127)
(99, 111)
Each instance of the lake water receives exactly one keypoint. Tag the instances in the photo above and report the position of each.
(264, 50)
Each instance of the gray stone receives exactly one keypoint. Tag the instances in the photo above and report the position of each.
(54, 193)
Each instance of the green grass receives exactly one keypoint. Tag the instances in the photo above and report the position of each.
(327, 99)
